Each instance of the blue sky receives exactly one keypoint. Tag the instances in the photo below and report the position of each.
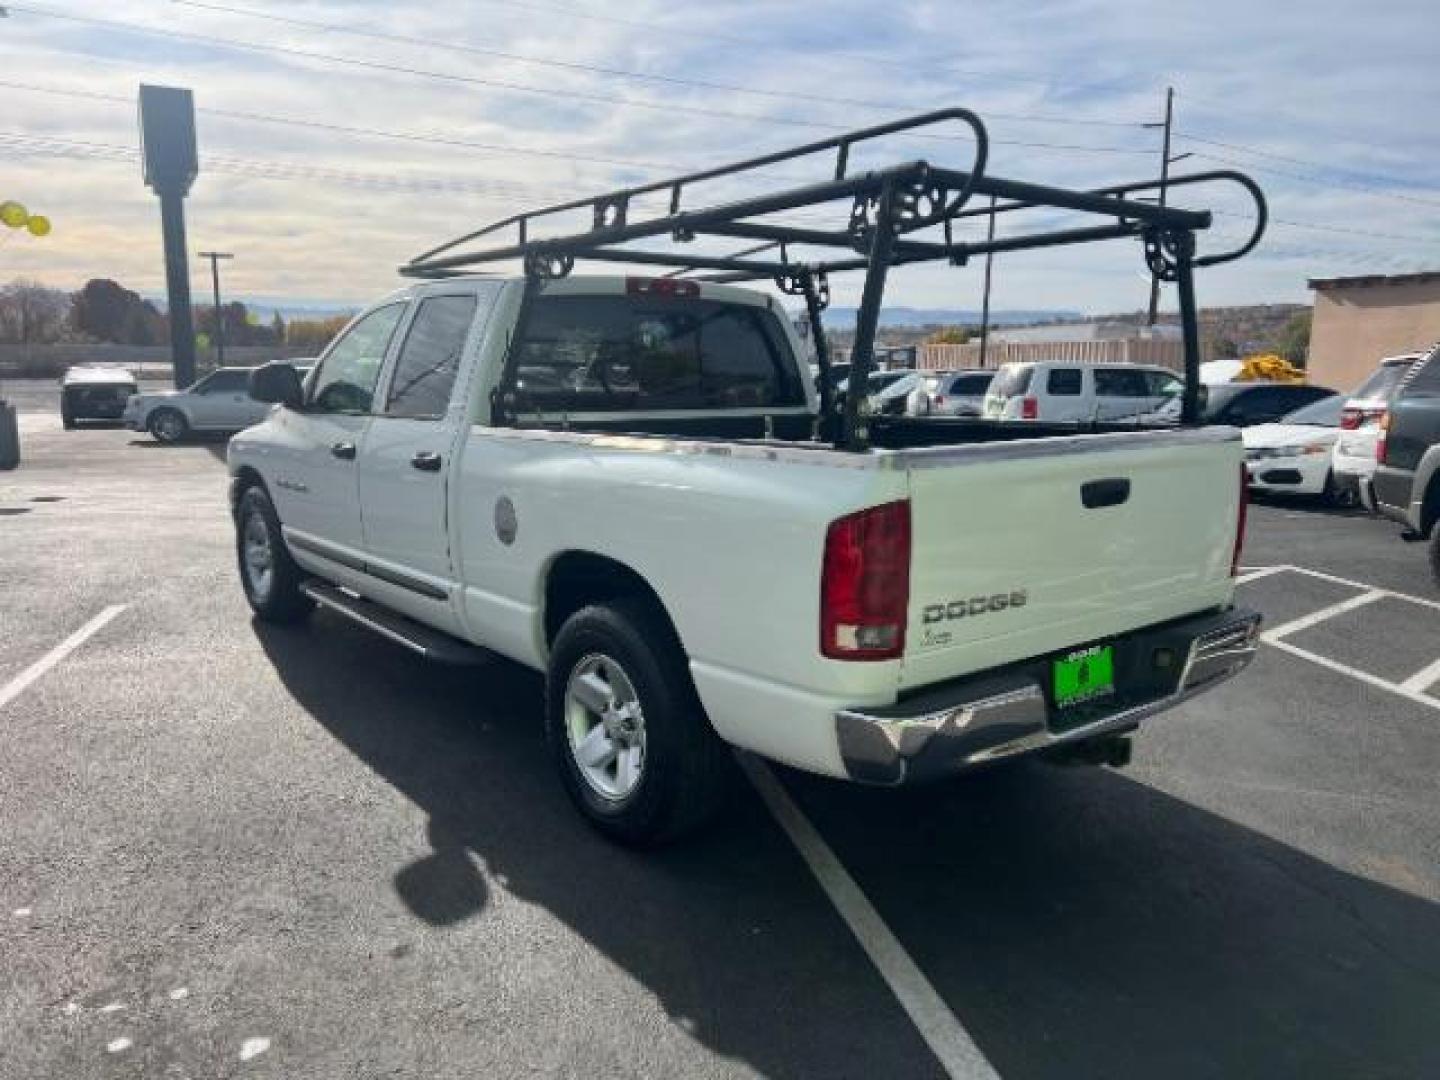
(1330, 106)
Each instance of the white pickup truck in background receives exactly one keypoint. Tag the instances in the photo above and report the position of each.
(650, 522)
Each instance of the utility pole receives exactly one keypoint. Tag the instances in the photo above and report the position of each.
(985, 304)
(1164, 182)
(215, 257)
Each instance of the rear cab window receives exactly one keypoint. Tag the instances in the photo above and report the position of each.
(632, 353)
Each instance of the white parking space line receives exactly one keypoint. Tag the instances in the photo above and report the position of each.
(1423, 679)
(1420, 600)
(938, 1026)
(16, 686)
(1317, 617)
(1256, 573)
(1356, 673)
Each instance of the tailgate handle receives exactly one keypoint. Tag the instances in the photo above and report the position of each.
(1098, 493)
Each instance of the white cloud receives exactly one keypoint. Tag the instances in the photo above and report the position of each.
(1343, 87)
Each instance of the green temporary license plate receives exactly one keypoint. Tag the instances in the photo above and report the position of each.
(1085, 675)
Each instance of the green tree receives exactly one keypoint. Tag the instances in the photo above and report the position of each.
(1294, 342)
(949, 335)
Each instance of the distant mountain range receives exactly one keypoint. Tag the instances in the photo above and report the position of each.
(843, 318)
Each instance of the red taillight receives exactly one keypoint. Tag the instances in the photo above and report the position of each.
(678, 288)
(1029, 409)
(1383, 440)
(1353, 417)
(1240, 523)
(865, 584)
(939, 399)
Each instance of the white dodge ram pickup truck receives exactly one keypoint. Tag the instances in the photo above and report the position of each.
(615, 481)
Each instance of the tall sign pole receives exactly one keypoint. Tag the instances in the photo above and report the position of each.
(167, 144)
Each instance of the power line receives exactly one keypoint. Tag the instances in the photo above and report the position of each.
(279, 170)
(765, 43)
(1376, 177)
(573, 65)
(348, 129)
(575, 95)
(1359, 189)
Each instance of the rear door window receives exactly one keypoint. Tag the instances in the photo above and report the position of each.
(1064, 382)
(634, 353)
(225, 382)
(430, 357)
(1122, 383)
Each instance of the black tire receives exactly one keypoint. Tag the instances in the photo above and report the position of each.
(279, 601)
(685, 770)
(168, 426)
(1340, 496)
(1434, 550)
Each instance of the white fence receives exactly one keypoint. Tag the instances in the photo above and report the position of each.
(1169, 354)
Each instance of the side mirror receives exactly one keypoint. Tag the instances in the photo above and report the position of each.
(277, 382)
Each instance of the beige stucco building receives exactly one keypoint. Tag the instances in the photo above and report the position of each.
(1358, 320)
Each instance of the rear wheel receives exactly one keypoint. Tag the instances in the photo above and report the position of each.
(1434, 549)
(633, 746)
(168, 425)
(267, 572)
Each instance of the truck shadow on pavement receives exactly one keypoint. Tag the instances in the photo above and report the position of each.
(1079, 923)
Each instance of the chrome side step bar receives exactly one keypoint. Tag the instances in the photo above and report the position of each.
(429, 643)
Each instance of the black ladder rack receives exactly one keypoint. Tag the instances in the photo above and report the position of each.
(885, 208)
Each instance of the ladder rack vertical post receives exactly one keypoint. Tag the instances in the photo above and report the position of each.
(855, 429)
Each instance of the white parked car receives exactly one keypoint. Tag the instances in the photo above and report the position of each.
(1049, 390)
(94, 392)
(889, 390)
(220, 401)
(1294, 454)
(951, 393)
(1355, 450)
(692, 568)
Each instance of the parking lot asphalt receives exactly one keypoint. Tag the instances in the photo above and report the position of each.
(232, 850)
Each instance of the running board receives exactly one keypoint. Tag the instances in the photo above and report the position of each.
(429, 643)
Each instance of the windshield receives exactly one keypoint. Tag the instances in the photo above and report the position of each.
(879, 380)
(1382, 385)
(1322, 413)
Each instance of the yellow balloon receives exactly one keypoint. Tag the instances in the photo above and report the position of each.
(13, 214)
(39, 225)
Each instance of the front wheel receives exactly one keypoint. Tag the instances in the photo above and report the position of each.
(168, 426)
(633, 746)
(267, 572)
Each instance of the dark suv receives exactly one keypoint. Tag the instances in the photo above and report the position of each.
(1406, 485)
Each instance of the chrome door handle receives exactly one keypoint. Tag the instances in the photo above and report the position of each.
(343, 450)
(426, 461)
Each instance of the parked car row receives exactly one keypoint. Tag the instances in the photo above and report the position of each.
(220, 402)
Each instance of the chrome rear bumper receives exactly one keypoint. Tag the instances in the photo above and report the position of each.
(984, 718)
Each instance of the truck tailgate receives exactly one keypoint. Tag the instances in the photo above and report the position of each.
(1009, 562)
